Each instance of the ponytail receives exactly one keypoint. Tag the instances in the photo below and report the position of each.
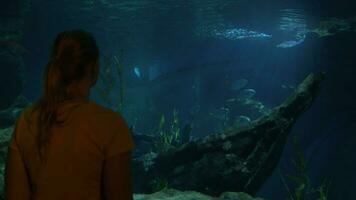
(72, 53)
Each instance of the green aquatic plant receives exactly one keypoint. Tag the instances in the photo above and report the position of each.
(168, 139)
(108, 80)
(163, 138)
(175, 129)
(119, 69)
(323, 190)
(302, 189)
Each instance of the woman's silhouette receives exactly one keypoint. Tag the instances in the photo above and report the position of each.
(65, 146)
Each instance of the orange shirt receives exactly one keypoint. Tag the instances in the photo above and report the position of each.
(77, 148)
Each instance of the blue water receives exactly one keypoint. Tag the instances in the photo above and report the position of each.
(190, 55)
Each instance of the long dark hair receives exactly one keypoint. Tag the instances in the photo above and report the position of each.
(71, 55)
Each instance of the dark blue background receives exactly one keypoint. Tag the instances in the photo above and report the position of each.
(327, 131)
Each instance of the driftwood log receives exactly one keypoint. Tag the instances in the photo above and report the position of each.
(237, 160)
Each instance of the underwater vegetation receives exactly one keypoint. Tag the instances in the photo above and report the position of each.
(303, 189)
(170, 135)
(168, 139)
(108, 80)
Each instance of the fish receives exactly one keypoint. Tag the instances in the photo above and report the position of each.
(291, 43)
(287, 86)
(247, 93)
(239, 33)
(137, 72)
(221, 114)
(243, 120)
(230, 100)
(239, 84)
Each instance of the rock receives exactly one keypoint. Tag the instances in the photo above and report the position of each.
(172, 194)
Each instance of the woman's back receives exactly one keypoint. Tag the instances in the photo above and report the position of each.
(87, 158)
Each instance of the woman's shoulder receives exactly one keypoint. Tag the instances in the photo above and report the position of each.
(28, 113)
(99, 112)
(96, 108)
(103, 119)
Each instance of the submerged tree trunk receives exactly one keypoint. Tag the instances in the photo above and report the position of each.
(236, 160)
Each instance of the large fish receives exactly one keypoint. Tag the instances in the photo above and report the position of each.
(239, 34)
(290, 43)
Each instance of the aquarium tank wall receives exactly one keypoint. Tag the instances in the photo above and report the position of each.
(225, 99)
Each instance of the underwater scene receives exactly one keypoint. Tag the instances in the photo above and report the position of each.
(225, 99)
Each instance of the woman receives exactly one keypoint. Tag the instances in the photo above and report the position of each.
(65, 146)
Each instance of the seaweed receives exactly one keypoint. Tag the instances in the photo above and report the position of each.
(168, 139)
(108, 81)
(302, 188)
(119, 69)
